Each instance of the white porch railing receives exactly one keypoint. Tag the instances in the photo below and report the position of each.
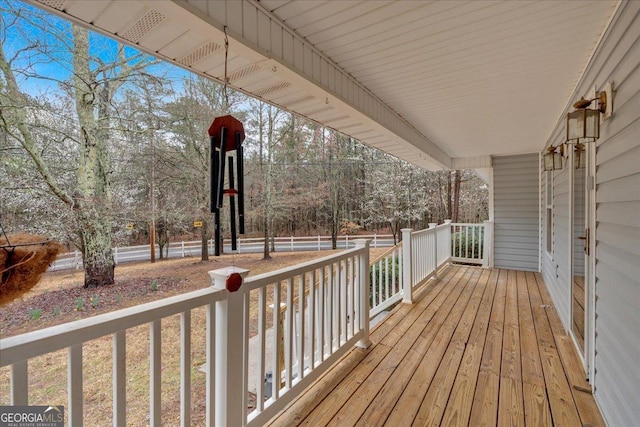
(428, 250)
(472, 243)
(386, 280)
(17, 351)
(293, 323)
(327, 313)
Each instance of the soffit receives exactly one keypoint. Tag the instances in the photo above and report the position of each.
(425, 81)
(475, 77)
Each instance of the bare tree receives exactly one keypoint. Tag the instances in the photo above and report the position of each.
(93, 84)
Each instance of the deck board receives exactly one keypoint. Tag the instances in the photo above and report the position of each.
(478, 347)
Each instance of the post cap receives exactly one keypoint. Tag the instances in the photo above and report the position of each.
(229, 278)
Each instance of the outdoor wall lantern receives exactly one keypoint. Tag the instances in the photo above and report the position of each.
(583, 124)
(553, 158)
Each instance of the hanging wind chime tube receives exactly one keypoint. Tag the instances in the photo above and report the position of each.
(227, 134)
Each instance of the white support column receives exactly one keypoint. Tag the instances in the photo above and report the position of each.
(363, 281)
(229, 370)
(487, 250)
(407, 268)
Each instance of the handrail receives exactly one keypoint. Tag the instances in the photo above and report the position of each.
(31, 344)
(386, 253)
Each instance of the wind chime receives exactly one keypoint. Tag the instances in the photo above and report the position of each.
(226, 135)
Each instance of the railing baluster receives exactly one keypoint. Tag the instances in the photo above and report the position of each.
(473, 242)
(322, 313)
(277, 337)
(380, 286)
(211, 364)
(262, 325)
(289, 334)
(20, 383)
(386, 277)
(301, 334)
(312, 323)
(336, 305)
(374, 283)
(120, 378)
(351, 288)
(74, 384)
(246, 304)
(342, 283)
(155, 373)
(185, 369)
(330, 309)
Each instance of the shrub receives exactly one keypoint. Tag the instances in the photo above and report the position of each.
(94, 301)
(468, 245)
(35, 314)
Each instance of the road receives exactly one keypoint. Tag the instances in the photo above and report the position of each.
(192, 249)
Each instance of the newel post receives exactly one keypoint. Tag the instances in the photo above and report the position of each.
(407, 268)
(448, 243)
(230, 396)
(432, 226)
(487, 249)
(364, 279)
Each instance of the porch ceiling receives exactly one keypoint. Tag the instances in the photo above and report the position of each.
(427, 81)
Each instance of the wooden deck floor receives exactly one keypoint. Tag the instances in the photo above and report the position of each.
(478, 347)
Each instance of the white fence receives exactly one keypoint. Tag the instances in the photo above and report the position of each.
(249, 245)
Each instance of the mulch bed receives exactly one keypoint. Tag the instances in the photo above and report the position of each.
(64, 305)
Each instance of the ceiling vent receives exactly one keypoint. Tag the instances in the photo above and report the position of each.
(55, 4)
(272, 89)
(319, 110)
(298, 101)
(145, 24)
(244, 72)
(199, 53)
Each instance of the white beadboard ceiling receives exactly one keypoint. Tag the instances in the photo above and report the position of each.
(428, 81)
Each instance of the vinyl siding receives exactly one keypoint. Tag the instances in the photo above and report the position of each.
(516, 213)
(617, 234)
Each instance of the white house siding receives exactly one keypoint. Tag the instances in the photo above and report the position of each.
(515, 186)
(617, 234)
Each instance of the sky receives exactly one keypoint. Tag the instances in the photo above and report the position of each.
(42, 67)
